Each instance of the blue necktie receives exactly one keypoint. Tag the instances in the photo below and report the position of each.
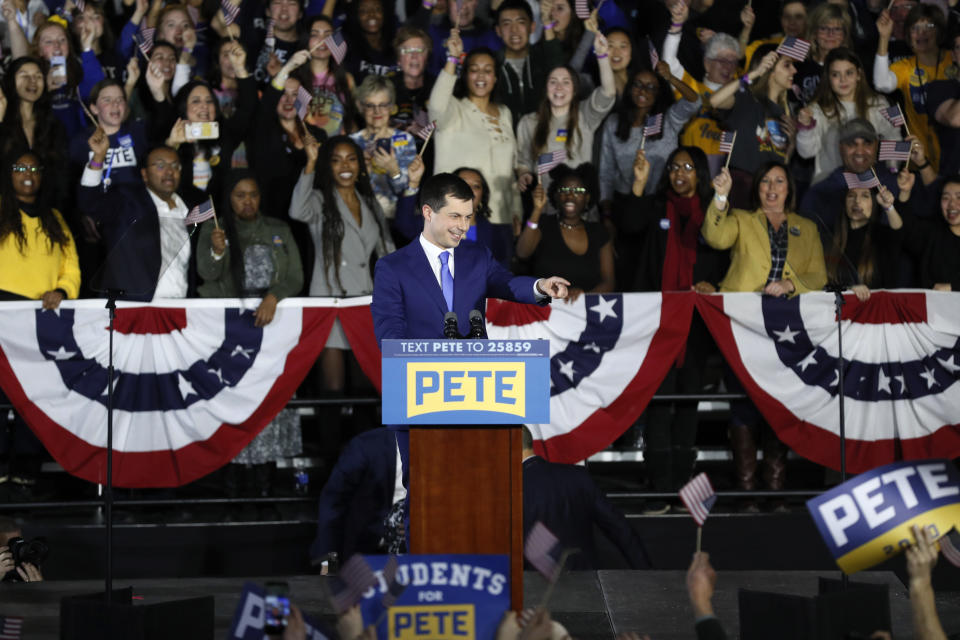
(446, 280)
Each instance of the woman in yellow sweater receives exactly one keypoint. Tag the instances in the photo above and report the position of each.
(38, 258)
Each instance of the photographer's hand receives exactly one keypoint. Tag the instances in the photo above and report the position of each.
(30, 573)
(6, 562)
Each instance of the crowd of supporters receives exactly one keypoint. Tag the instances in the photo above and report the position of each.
(303, 123)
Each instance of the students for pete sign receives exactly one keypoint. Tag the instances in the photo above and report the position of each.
(447, 597)
(868, 519)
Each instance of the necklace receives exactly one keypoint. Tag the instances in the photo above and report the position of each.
(569, 227)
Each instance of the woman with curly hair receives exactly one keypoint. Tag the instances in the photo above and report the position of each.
(334, 197)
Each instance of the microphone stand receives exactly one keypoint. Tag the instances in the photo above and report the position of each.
(837, 291)
(112, 295)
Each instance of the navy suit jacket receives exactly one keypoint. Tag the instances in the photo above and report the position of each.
(567, 501)
(408, 301)
(357, 496)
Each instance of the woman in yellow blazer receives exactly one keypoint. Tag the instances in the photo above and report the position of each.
(775, 251)
(772, 230)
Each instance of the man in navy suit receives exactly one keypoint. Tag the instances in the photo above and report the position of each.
(567, 501)
(417, 285)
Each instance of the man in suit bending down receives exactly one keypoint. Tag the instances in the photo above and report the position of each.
(416, 286)
(567, 501)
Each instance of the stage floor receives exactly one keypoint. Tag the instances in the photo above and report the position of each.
(592, 605)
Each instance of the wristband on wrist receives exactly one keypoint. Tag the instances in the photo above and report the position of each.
(889, 209)
(601, 56)
(428, 5)
(745, 80)
(550, 25)
(93, 164)
(722, 199)
(453, 59)
(531, 224)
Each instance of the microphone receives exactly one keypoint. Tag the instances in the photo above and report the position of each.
(477, 328)
(450, 325)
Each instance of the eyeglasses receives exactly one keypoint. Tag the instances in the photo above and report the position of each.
(385, 106)
(163, 165)
(686, 166)
(577, 191)
(649, 86)
(923, 26)
(23, 168)
(724, 61)
(834, 31)
(407, 51)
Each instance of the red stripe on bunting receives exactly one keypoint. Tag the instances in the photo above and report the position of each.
(146, 320)
(357, 325)
(184, 465)
(605, 425)
(885, 307)
(501, 313)
(812, 441)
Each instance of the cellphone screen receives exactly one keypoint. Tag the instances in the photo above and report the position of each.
(277, 606)
(385, 144)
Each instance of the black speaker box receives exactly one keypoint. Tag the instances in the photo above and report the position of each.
(84, 617)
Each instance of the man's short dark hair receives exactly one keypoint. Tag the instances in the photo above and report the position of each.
(441, 186)
(526, 437)
(516, 5)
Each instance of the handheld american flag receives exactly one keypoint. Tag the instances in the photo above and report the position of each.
(698, 495)
(898, 151)
(200, 213)
(541, 550)
(394, 588)
(796, 48)
(354, 578)
(302, 103)
(582, 9)
(547, 161)
(654, 56)
(653, 126)
(425, 131)
(144, 40)
(337, 46)
(726, 141)
(865, 180)
(230, 11)
(11, 628)
(893, 115)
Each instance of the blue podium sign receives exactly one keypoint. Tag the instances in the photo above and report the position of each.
(466, 381)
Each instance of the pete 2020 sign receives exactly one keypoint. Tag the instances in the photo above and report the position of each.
(466, 381)
(447, 597)
(868, 519)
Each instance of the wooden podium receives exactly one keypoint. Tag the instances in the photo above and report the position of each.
(464, 401)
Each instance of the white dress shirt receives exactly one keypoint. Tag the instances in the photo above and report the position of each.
(174, 248)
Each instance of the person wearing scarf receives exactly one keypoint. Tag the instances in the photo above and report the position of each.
(675, 258)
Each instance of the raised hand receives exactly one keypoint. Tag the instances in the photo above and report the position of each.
(238, 59)
(905, 181)
(805, 117)
(601, 47)
(641, 172)
(99, 143)
(747, 16)
(454, 44)
(415, 172)
(539, 196)
(218, 241)
(723, 182)
(885, 25)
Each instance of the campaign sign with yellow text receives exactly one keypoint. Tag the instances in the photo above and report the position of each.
(466, 381)
(445, 597)
(868, 519)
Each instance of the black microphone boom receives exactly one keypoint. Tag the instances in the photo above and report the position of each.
(477, 328)
(450, 325)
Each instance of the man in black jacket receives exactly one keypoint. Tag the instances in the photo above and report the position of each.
(523, 67)
(565, 499)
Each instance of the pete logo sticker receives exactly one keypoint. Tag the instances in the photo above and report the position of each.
(466, 386)
(438, 622)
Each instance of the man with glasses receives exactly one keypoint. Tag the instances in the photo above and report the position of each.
(141, 224)
(720, 61)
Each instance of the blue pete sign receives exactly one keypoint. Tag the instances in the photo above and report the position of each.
(248, 618)
(447, 597)
(868, 519)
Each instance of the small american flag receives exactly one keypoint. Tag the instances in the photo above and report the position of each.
(950, 547)
(302, 103)
(424, 131)
(354, 578)
(540, 549)
(582, 8)
(726, 141)
(654, 56)
(144, 40)
(337, 46)
(796, 48)
(194, 14)
(653, 126)
(865, 180)
(894, 150)
(230, 11)
(547, 161)
(394, 588)
(893, 115)
(698, 495)
(200, 213)
(11, 628)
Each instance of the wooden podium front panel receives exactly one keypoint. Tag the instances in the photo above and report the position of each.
(466, 494)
